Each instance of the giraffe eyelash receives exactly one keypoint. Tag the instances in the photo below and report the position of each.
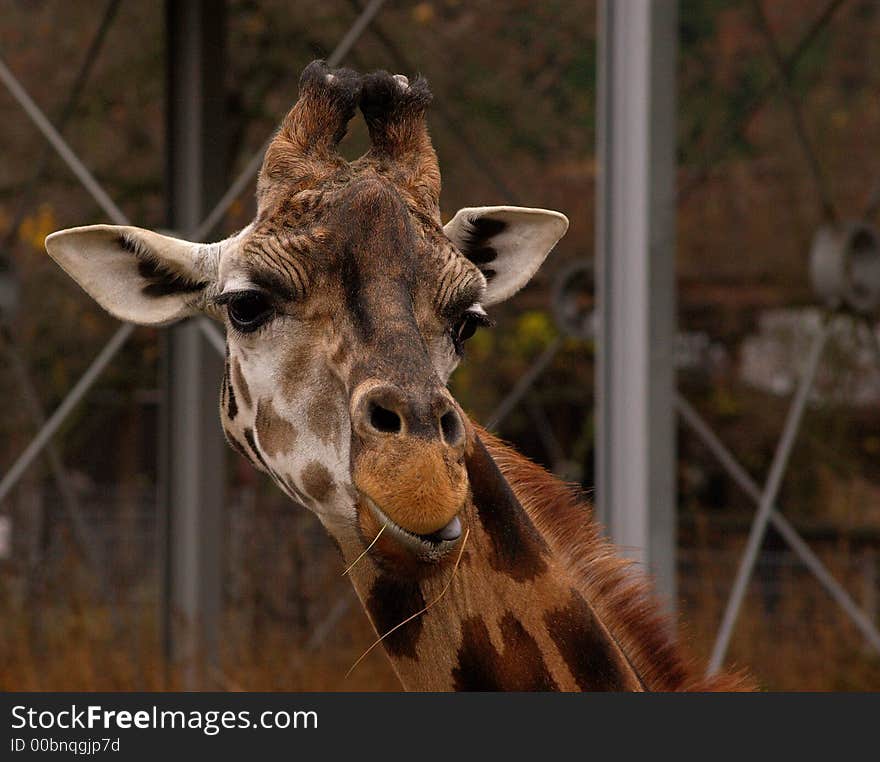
(248, 311)
(467, 324)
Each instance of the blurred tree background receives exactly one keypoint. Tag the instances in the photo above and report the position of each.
(513, 122)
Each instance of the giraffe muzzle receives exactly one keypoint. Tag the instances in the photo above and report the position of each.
(421, 487)
(430, 547)
(408, 459)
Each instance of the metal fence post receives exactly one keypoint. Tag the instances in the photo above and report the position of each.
(635, 287)
(192, 451)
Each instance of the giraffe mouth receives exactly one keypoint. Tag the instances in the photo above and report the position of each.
(431, 545)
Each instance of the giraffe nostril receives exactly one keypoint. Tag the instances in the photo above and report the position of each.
(384, 420)
(451, 426)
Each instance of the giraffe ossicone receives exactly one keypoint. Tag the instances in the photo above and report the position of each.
(347, 303)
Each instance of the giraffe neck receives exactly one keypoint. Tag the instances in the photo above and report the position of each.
(539, 600)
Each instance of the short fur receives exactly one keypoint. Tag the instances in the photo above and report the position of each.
(622, 596)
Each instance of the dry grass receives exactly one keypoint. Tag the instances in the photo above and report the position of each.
(64, 649)
(797, 640)
(790, 635)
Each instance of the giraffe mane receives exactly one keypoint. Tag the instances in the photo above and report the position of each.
(621, 595)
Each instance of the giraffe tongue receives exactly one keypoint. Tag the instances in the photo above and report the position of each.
(452, 531)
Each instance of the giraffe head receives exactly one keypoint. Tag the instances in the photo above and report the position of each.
(346, 305)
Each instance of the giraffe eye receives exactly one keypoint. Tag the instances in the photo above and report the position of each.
(466, 326)
(248, 310)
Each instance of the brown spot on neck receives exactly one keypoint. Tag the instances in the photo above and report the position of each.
(593, 657)
(518, 667)
(391, 600)
(517, 549)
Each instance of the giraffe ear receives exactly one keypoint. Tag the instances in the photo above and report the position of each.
(508, 243)
(135, 274)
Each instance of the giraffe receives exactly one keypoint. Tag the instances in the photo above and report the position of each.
(347, 303)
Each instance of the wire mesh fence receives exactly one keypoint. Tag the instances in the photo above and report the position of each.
(291, 618)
